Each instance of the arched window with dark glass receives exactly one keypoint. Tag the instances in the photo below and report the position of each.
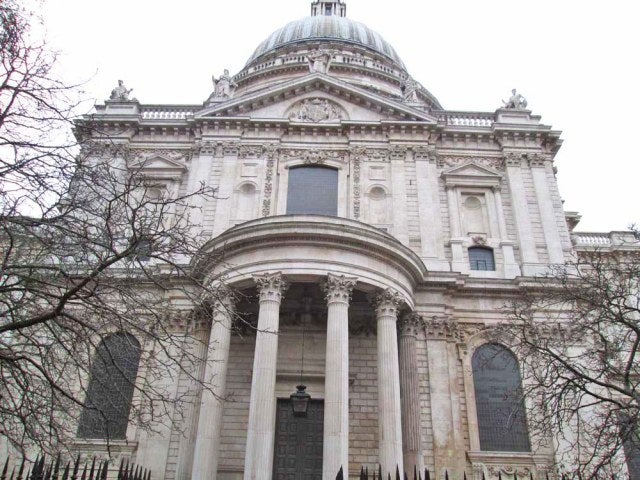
(502, 423)
(312, 190)
(110, 389)
(481, 258)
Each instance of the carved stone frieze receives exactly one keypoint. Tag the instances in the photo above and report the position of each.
(338, 288)
(538, 160)
(268, 186)
(176, 154)
(250, 151)
(357, 155)
(316, 110)
(447, 161)
(428, 153)
(313, 157)
(519, 471)
(398, 152)
(105, 149)
(443, 328)
(513, 159)
(410, 324)
(378, 154)
(230, 149)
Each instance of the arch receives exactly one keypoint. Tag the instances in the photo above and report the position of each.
(110, 391)
(500, 409)
(312, 189)
(481, 258)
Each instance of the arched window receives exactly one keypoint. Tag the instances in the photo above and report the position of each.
(502, 423)
(481, 258)
(312, 190)
(110, 390)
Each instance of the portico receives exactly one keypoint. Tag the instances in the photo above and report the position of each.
(374, 267)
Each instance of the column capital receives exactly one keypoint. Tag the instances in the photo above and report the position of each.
(271, 286)
(443, 328)
(410, 324)
(387, 302)
(338, 288)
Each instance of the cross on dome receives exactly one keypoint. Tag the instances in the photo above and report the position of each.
(328, 8)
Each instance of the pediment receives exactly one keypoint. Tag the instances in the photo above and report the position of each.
(158, 166)
(316, 98)
(472, 174)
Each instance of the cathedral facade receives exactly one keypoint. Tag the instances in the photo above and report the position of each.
(370, 236)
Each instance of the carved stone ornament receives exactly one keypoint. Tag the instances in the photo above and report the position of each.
(313, 157)
(518, 471)
(106, 149)
(410, 324)
(479, 240)
(320, 61)
(338, 288)
(453, 161)
(513, 159)
(538, 160)
(515, 102)
(443, 328)
(250, 151)
(268, 184)
(316, 110)
(141, 154)
(387, 302)
(271, 286)
(398, 152)
(425, 153)
(121, 93)
(356, 155)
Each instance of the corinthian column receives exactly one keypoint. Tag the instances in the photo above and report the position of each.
(258, 461)
(389, 425)
(410, 393)
(206, 453)
(336, 387)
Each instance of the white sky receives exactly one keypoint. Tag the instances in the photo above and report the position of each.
(576, 62)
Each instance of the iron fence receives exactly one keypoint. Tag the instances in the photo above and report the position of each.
(76, 469)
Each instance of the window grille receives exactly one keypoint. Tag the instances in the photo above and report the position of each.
(502, 422)
(481, 258)
(110, 390)
(313, 190)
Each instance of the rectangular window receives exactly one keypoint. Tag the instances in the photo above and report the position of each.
(312, 190)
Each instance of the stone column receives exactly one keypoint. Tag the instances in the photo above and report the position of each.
(409, 327)
(389, 423)
(258, 462)
(205, 457)
(336, 385)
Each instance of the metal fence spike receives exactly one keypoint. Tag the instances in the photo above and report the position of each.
(76, 467)
(65, 472)
(105, 469)
(446, 475)
(427, 475)
(93, 468)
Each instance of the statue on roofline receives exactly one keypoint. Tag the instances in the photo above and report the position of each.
(320, 61)
(515, 102)
(223, 87)
(121, 93)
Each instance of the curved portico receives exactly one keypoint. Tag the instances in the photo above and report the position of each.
(337, 255)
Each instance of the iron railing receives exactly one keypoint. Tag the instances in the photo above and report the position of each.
(57, 469)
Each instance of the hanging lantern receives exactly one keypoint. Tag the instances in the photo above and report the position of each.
(300, 401)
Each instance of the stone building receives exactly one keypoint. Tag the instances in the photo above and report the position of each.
(378, 233)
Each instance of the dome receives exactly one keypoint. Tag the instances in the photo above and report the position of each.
(329, 28)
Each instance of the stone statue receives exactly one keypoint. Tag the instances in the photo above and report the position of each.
(410, 90)
(121, 93)
(516, 101)
(320, 61)
(223, 87)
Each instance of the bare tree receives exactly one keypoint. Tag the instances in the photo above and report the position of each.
(577, 333)
(90, 246)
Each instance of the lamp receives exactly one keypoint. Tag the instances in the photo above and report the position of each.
(300, 401)
(300, 398)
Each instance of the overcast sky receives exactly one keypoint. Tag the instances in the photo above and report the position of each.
(576, 62)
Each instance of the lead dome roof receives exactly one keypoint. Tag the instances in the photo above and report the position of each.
(329, 28)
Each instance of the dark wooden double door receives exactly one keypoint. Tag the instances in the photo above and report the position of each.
(298, 449)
